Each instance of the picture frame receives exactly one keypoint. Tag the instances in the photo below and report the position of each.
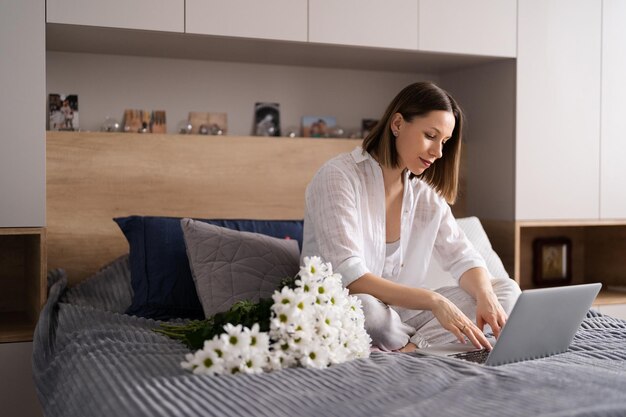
(367, 125)
(266, 119)
(63, 112)
(552, 261)
(317, 126)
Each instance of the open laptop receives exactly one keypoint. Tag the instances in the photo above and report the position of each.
(543, 322)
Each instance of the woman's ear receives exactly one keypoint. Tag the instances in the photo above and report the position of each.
(396, 122)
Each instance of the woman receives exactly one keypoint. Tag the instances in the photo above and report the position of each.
(379, 213)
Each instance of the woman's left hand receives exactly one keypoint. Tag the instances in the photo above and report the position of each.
(489, 311)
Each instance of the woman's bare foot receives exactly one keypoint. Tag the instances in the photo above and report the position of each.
(410, 347)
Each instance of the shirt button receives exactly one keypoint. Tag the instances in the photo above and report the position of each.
(401, 265)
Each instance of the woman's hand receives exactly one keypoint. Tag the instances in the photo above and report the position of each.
(452, 319)
(477, 282)
(489, 311)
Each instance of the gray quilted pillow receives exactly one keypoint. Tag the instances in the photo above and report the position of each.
(229, 265)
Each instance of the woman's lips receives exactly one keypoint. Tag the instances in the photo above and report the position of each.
(426, 162)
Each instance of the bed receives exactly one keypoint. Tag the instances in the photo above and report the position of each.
(92, 359)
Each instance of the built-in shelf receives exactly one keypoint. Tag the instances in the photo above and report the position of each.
(22, 281)
(598, 248)
(113, 41)
(608, 297)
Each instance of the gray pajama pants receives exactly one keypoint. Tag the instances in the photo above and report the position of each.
(389, 332)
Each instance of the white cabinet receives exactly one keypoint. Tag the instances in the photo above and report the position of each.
(388, 24)
(613, 141)
(558, 109)
(478, 27)
(270, 19)
(160, 15)
(23, 115)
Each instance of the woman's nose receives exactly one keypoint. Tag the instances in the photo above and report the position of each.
(436, 149)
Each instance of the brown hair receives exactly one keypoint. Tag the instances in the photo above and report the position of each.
(417, 100)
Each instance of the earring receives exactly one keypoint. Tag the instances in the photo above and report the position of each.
(395, 133)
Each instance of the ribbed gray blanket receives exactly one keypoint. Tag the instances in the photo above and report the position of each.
(91, 360)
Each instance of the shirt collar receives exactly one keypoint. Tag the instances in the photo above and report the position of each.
(359, 155)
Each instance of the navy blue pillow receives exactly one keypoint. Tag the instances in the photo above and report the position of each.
(163, 287)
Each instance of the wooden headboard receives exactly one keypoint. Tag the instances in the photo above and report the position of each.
(94, 177)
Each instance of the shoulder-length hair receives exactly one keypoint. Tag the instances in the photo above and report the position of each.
(417, 100)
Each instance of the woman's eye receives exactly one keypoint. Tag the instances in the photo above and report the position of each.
(431, 137)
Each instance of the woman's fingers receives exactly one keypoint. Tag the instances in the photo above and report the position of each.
(470, 331)
(457, 323)
(478, 339)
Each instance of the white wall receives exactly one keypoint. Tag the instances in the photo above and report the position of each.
(107, 84)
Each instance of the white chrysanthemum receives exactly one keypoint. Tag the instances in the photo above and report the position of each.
(259, 341)
(314, 357)
(316, 324)
(284, 297)
(208, 361)
(236, 337)
(313, 268)
(188, 362)
(253, 361)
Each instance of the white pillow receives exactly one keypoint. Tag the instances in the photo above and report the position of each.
(437, 277)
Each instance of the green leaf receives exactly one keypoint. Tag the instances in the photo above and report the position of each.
(246, 313)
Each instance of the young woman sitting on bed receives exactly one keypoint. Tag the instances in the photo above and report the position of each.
(379, 213)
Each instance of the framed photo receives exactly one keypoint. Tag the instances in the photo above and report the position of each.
(63, 111)
(317, 126)
(552, 261)
(267, 119)
(367, 125)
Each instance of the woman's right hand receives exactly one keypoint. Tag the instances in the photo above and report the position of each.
(452, 319)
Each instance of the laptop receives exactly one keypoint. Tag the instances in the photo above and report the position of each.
(543, 322)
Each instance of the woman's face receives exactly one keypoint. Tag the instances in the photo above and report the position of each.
(420, 142)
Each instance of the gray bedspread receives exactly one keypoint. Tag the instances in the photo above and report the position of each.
(91, 360)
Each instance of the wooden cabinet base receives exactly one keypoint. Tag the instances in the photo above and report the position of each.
(22, 281)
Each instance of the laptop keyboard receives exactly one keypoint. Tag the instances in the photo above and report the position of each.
(478, 356)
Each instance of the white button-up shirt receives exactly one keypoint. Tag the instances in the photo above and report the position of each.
(344, 223)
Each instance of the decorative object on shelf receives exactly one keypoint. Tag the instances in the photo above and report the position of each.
(137, 121)
(354, 133)
(157, 122)
(267, 119)
(317, 126)
(63, 111)
(110, 125)
(552, 261)
(366, 126)
(184, 127)
(292, 132)
(337, 132)
(205, 123)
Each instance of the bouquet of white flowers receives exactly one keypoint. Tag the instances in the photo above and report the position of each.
(314, 324)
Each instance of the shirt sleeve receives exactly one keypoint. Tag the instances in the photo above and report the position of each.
(333, 209)
(453, 250)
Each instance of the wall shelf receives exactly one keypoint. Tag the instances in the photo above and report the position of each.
(113, 41)
(22, 281)
(598, 248)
